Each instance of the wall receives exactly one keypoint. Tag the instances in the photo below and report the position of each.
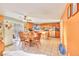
(8, 33)
(70, 31)
(1, 26)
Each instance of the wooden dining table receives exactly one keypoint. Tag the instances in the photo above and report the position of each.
(30, 38)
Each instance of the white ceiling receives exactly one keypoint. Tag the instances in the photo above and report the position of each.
(39, 10)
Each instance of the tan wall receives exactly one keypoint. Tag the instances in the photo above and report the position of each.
(71, 33)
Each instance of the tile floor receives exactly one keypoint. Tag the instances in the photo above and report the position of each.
(48, 47)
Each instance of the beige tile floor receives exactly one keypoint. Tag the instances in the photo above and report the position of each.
(48, 47)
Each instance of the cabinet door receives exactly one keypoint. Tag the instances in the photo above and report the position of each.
(57, 34)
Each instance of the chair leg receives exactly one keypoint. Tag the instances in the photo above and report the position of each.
(27, 44)
(38, 44)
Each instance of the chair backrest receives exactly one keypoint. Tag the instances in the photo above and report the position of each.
(38, 35)
(21, 35)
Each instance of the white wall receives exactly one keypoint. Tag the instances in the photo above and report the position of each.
(8, 34)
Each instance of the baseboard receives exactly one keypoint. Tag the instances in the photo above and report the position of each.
(9, 45)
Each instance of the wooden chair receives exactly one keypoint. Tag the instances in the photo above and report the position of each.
(24, 39)
(37, 39)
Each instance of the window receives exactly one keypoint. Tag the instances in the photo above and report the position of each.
(74, 8)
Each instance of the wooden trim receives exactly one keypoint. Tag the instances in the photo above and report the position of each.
(9, 45)
(77, 7)
(69, 9)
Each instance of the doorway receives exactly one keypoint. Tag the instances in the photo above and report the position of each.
(17, 29)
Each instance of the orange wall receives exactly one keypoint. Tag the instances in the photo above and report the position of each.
(71, 33)
(1, 36)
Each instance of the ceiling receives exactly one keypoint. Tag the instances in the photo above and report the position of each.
(39, 10)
